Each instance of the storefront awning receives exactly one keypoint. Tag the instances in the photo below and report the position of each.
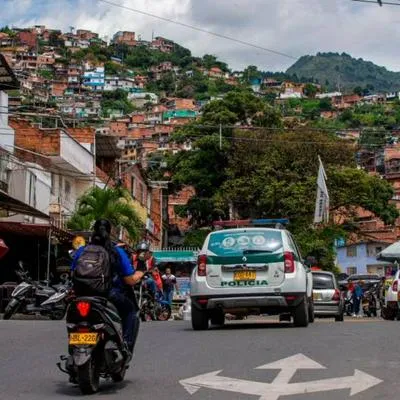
(175, 256)
(33, 230)
(13, 205)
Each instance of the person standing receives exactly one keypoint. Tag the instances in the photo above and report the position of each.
(357, 296)
(169, 283)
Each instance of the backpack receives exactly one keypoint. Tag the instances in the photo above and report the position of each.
(93, 273)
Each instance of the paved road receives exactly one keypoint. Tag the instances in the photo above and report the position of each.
(169, 352)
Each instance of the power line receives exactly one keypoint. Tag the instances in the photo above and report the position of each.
(196, 28)
(378, 2)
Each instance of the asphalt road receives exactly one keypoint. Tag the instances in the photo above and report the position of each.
(170, 352)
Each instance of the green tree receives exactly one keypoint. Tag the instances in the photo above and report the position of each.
(112, 204)
(310, 90)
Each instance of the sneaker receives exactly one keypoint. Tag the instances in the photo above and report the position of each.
(353, 315)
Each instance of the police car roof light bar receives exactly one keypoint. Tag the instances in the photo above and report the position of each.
(278, 223)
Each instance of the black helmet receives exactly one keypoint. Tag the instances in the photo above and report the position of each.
(143, 246)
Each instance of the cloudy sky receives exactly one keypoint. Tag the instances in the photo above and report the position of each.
(293, 27)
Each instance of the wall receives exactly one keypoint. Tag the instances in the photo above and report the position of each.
(361, 260)
(76, 155)
(6, 132)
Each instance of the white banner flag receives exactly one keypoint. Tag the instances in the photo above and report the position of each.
(322, 202)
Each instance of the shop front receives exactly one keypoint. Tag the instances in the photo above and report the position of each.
(181, 263)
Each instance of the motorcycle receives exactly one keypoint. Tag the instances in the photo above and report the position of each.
(348, 304)
(21, 300)
(369, 302)
(152, 307)
(95, 344)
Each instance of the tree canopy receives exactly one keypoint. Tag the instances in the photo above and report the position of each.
(114, 204)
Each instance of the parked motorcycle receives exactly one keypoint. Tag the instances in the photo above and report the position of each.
(348, 304)
(23, 302)
(151, 307)
(95, 344)
(370, 302)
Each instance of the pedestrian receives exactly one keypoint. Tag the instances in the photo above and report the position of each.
(357, 297)
(169, 284)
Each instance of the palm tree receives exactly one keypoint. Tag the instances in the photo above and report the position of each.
(109, 203)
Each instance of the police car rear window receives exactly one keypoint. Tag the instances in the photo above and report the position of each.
(234, 243)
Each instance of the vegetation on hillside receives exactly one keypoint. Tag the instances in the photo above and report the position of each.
(341, 70)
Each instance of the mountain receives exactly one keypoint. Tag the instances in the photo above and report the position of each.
(341, 70)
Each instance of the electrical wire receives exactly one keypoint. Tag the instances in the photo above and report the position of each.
(196, 28)
(378, 2)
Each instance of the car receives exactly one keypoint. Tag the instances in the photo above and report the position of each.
(328, 300)
(250, 270)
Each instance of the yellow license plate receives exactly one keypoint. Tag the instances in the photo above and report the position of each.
(244, 276)
(83, 338)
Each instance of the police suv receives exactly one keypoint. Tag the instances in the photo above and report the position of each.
(250, 270)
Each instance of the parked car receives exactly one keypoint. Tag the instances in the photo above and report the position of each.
(328, 301)
(246, 271)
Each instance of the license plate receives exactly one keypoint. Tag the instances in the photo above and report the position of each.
(317, 296)
(244, 276)
(83, 338)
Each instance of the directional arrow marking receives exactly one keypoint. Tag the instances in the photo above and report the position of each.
(289, 366)
(357, 383)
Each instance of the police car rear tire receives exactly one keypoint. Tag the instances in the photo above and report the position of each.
(300, 315)
(200, 319)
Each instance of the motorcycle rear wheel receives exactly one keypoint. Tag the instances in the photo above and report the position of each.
(163, 312)
(11, 309)
(88, 377)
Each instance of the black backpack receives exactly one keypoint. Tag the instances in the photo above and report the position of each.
(93, 273)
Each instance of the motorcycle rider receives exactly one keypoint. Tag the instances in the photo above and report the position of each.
(143, 257)
(125, 277)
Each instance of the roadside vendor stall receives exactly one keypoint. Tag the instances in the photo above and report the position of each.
(181, 263)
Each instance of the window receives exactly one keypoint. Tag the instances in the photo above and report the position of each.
(234, 243)
(351, 251)
(351, 270)
(323, 281)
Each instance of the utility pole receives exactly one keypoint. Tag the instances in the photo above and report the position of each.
(220, 136)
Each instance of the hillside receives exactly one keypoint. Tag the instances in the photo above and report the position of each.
(331, 69)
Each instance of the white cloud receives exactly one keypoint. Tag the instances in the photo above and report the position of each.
(296, 27)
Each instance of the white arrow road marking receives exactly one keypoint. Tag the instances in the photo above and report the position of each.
(357, 383)
(289, 366)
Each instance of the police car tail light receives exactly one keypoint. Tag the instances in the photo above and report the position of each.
(202, 265)
(395, 286)
(289, 262)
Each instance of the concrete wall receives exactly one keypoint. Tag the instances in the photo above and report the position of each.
(365, 261)
(6, 132)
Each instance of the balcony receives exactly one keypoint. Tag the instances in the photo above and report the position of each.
(72, 156)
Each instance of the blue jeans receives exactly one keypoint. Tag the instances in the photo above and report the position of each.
(168, 295)
(128, 310)
(356, 305)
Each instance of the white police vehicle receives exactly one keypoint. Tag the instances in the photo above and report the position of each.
(250, 270)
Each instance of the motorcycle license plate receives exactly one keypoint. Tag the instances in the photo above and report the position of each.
(83, 338)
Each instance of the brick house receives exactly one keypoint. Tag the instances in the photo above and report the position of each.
(27, 38)
(163, 45)
(86, 34)
(216, 73)
(125, 37)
